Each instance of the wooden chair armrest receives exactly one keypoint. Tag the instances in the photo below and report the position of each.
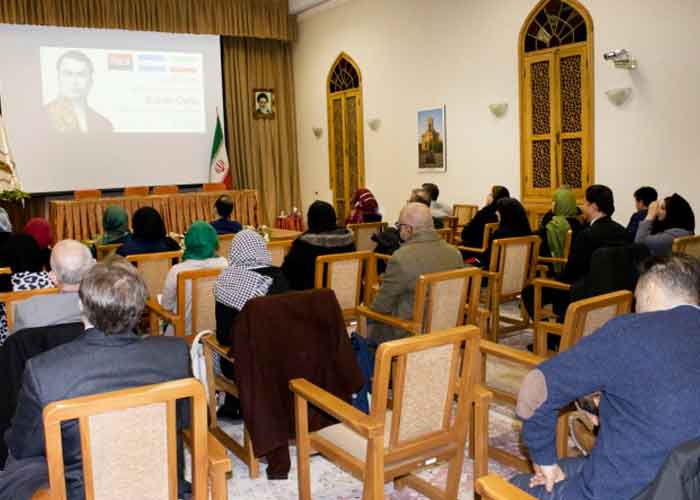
(493, 487)
(154, 307)
(382, 256)
(551, 327)
(221, 350)
(547, 283)
(363, 424)
(552, 260)
(407, 325)
(471, 249)
(482, 394)
(217, 457)
(508, 353)
(42, 494)
(542, 270)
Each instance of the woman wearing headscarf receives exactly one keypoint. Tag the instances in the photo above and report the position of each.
(513, 223)
(557, 223)
(322, 238)
(201, 244)
(40, 229)
(473, 232)
(666, 220)
(115, 224)
(364, 208)
(249, 274)
(149, 234)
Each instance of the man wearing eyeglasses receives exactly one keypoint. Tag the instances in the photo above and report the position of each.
(422, 251)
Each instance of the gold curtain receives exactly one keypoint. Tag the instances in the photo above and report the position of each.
(243, 18)
(263, 153)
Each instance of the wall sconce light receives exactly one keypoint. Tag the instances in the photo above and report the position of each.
(498, 109)
(619, 96)
(374, 124)
(621, 58)
(318, 132)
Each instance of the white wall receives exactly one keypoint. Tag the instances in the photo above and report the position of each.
(463, 53)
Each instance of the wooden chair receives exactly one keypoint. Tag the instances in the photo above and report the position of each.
(493, 487)
(154, 267)
(171, 189)
(443, 300)
(104, 251)
(10, 299)
(343, 274)
(213, 186)
(217, 382)
(445, 234)
(488, 231)
(225, 241)
(87, 194)
(390, 444)
(363, 234)
(136, 191)
(449, 222)
(689, 245)
(200, 284)
(279, 250)
(464, 213)
(512, 267)
(5, 270)
(544, 261)
(134, 427)
(582, 318)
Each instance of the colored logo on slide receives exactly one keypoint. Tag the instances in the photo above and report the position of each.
(120, 62)
(220, 166)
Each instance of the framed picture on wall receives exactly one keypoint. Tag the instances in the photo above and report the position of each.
(264, 103)
(431, 140)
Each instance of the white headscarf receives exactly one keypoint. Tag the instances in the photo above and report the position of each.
(5, 224)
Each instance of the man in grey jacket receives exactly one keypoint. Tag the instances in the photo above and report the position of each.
(421, 252)
(70, 261)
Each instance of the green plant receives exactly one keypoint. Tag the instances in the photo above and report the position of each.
(13, 195)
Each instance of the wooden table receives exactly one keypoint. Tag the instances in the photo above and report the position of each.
(82, 219)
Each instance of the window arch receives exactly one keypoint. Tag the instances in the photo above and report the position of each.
(556, 23)
(344, 75)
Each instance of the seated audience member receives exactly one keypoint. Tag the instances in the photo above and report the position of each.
(40, 230)
(224, 224)
(512, 223)
(602, 231)
(5, 226)
(149, 234)
(666, 220)
(557, 223)
(420, 195)
(421, 252)
(643, 197)
(473, 232)
(322, 238)
(645, 366)
(364, 208)
(115, 223)
(70, 261)
(201, 244)
(249, 274)
(437, 209)
(107, 357)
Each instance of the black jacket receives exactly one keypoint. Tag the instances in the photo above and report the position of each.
(473, 233)
(679, 477)
(300, 264)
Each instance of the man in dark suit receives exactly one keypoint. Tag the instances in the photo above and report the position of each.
(602, 231)
(107, 357)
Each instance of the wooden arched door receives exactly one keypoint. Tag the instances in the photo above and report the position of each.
(556, 100)
(345, 132)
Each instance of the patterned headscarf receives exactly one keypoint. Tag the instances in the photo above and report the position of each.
(238, 283)
(5, 224)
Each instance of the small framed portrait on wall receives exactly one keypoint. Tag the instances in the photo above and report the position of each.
(264, 103)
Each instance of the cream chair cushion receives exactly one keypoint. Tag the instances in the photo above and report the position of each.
(350, 441)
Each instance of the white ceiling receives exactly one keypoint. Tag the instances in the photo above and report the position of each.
(299, 6)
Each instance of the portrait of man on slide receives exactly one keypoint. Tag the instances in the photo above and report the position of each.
(69, 112)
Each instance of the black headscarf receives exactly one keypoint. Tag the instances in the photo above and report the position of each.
(513, 217)
(321, 217)
(148, 224)
(498, 193)
(679, 215)
(22, 253)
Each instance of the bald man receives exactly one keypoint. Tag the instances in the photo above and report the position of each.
(70, 261)
(421, 252)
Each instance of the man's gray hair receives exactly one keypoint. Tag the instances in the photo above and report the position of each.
(678, 276)
(113, 295)
(71, 260)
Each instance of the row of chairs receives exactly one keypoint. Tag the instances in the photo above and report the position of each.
(86, 194)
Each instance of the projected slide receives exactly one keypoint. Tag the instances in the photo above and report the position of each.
(123, 91)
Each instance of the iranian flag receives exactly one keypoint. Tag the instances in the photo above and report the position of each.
(219, 167)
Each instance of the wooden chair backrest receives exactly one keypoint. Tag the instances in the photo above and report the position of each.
(689, 245)
(10, 299)
(422, 396)
(585, 316)
(567, 244)
(279, 250)
(128, 441)
(225, 241)
(104, 251)
(343, 274)
(87, 194)
(464, 213)
(213, 186)
(154, 267)
(363, 234)
(200, 283)
(514, 260)
(171, 189)
(136, 191)
(445, 234)
(442, 297)
(5, 270)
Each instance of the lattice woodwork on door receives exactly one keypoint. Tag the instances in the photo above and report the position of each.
(570, 85)
(541, 109)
